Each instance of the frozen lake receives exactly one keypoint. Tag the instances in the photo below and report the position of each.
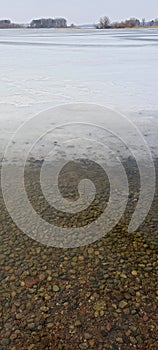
(44, 68)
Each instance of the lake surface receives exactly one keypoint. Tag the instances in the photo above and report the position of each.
(102, 295)
(44, 68)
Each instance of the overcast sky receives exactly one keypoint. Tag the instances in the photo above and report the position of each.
(77, 11)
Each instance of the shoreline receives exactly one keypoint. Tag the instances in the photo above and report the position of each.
(83, 28)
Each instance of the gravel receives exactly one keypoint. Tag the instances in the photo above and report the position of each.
(96, 297)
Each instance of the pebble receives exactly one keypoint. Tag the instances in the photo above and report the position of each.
(96, 314)
(22, 283)
(122, 275)
(99, 305)
(38, 250)
(31, 325)
(19, 316)
(47, 297)
(78, 323)
(134, 273)
(108, 326)
(13, 336)
(91, 342)
(133, 312)
(90, 251)
(126, 311)
(107, 295)
(31, 347)
(127, 296)
(145, 318)
(101, 313)
(56, 288)
(44, 308)
(41, 276)
(123, 304)
(49, 278)
(87, 336)
(119, 340)
(133, 340)
(50, 325)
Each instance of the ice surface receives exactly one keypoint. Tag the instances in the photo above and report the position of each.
(44, 68)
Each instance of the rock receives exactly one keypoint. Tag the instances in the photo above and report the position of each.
(119, 340)
(31, 325)
(13, 336)
(87, 336)
(133, 312)
(49, 279)
(41, 276)
(83, 346)
(38, 250)
(90, 251)
(13, 294)
(19, 316)
(133, 340)
(44, 308)
(55, 288)
(78, 323)
(101, 313)
(108, 326)
(139, 339)
(145, 318)
(134, 273)
(96, 314)
(47, 297)
(127, 296)
(99, 305)
(104, 333)
(22, 283)
(5, 342)
(123, 304)
(50, 325)
(122, 275)
(31, 347)
(81, 258)
(91, 342)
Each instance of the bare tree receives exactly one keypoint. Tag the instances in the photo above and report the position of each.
(156, 21)
(143, 22)
(104, 23)
(118, 25)
(132, 22)
(129, 23)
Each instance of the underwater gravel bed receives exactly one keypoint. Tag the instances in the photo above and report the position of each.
(97, 297)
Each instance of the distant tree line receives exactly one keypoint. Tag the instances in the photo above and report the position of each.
(104, 23)
(49, 23)
(6, 23)
(128, 23)
(36, 23)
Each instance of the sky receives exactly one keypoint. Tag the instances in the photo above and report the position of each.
(77, 11)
